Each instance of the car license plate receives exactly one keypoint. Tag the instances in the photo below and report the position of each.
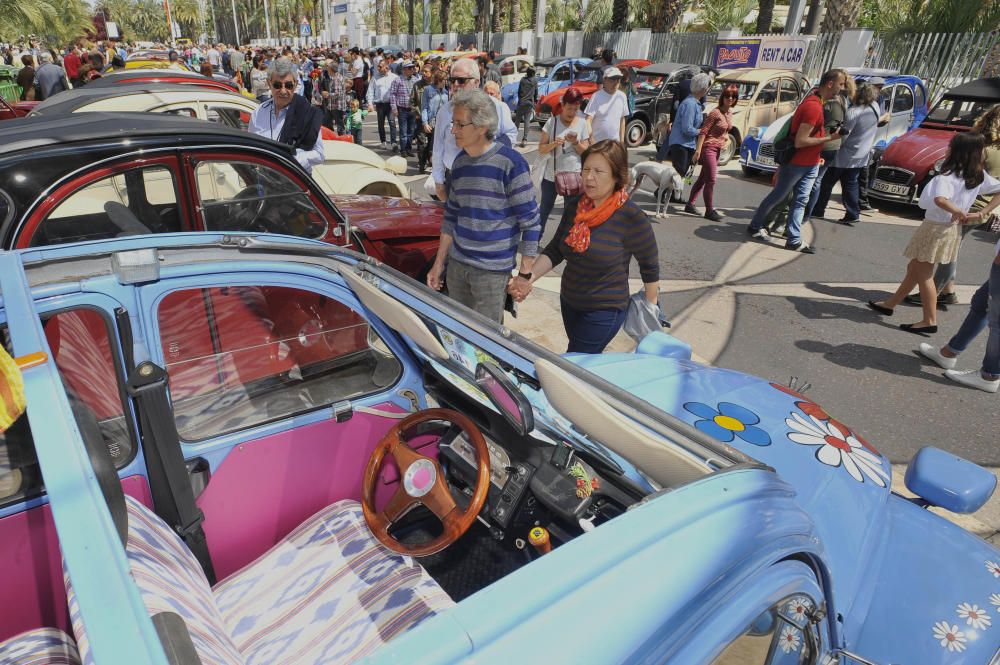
(766, 161)
(889, 188)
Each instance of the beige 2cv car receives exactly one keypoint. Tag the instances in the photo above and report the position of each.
(764, 96)
(348, 168)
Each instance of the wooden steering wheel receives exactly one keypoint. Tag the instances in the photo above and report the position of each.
(421, 480)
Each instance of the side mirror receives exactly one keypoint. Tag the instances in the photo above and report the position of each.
(948, 481)
(396, 164)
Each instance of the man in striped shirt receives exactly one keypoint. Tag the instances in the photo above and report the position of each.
(490, 215)
(400, 99)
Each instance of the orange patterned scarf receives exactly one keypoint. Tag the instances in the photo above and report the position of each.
(587, 217)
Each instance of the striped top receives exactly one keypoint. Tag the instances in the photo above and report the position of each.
(491, 211)
(597, 279)
(716, 127)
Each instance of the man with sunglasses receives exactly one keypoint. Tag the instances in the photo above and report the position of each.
(464, 76)
(289, 118)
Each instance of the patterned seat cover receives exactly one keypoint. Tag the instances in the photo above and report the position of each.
(327, 593)
(41, 646)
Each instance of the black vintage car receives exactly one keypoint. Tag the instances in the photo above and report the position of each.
(655, 87)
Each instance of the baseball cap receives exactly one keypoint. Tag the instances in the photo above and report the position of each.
(612, 72)
(408, 63)
(876, 80)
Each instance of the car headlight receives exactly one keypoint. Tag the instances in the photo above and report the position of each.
(935, 169)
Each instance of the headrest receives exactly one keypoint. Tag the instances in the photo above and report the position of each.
(104, 468)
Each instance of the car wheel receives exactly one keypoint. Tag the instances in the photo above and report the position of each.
(749, 170)
(728, 150)
(636, 133)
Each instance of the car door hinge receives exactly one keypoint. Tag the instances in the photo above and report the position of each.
(342, 411)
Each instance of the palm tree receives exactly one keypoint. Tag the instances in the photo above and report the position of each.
(665, 15)
(841, 15)
(499, 12)
(515, 15)
(443, 11)
(409, 23)
(393, 17)
(765, 16)
(619, 15)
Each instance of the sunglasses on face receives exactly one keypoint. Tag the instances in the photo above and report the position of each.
(731, 95)
(287, 85)
(460, 80)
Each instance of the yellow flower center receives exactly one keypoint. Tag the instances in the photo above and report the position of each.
(730, 424)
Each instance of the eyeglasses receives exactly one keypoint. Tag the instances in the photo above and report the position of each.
(594, 172)
(462, 125)
(287, 85)
(731, 95)
(460, 80)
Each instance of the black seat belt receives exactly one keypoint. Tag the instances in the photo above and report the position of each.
(173, 496)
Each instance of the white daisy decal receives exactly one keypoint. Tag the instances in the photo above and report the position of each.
(837, 448)
(995, 600)
(975, 617)
(789, 640)
(798, 607)
(993, 568)
(951, 637)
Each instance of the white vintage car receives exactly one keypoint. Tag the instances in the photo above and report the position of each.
(348, 169)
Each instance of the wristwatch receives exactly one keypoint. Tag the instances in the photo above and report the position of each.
(524, 275)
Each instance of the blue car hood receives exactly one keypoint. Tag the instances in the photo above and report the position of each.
(880, 548)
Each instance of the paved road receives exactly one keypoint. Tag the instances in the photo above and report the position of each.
(764, 310)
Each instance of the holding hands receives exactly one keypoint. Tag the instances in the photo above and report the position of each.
(519, 288)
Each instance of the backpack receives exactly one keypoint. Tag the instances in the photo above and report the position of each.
(368, 69)
(784, 145)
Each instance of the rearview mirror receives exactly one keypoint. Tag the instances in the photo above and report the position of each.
(506, 397)
(948, 481)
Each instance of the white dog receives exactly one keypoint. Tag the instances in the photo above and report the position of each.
(665, 179)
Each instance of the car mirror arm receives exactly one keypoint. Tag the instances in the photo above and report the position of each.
(837, 653)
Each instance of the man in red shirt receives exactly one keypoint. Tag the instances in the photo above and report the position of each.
(800, 174)
(71, 63)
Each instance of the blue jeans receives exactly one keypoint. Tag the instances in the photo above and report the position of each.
(848, 184)
(407, 126)
(549, 200)
(814, 194)
(590, 332)
(983, 310)
(790, 177)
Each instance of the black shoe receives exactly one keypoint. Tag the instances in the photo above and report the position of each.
(925, 330)
(881, 309)
(800, 247)
(848, 221)
(943, 299)
(691, 210)
(820, 214)
(713, 215)
(866, 206)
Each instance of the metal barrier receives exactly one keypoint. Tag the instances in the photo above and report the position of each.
(9, 89)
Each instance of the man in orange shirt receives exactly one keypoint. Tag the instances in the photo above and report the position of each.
(800, 174)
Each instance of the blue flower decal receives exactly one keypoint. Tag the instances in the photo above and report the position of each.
(729, 421)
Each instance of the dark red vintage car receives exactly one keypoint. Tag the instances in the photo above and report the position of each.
(9, 111)
(132, 76)
(95, 175)
(911, 160)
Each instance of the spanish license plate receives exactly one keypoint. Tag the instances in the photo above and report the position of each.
(766, 161)
(889, 188)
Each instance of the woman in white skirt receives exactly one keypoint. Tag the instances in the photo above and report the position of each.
(946, 199)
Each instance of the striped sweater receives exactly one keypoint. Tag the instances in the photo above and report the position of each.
(597, 279)
(491, 211)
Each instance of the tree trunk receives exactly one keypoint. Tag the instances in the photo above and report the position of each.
(443, 9)
(394, 17)
(841, 15)
(765, 16)
(619, 15)
(534, 15)
(411, 8)
(496, 25)
(666, 15)
(812, 19)
(515, 15)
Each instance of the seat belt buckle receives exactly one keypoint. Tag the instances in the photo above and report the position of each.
(185, 530)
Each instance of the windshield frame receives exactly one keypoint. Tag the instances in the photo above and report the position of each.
(957, 103)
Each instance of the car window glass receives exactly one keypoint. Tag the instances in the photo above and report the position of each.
(229, 117)
(523, 66)
(962, 112)
(81, 349)
(561, 74)
(918, 95)
(133, 202)
(238, 356)
(902, 101)
(240, 196)
(744, 90)
(885, 97)
(768, 94)
(185, 111)
(507, 68)
(789, 91)
(775, 637)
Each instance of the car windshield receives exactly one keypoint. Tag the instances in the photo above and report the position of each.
(541, 71)
(958, 111)
(585, 73)
(649, 82)
(745, 90)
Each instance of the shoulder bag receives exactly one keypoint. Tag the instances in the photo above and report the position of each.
(568, 183)
(784, 144)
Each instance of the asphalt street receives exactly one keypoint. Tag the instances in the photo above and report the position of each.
(761, 309)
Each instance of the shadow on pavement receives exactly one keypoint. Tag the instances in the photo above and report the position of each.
(851, 292)
(840, 311)
(722, 232)
(863, 356)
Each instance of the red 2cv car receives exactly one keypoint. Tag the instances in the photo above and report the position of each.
(912, 159)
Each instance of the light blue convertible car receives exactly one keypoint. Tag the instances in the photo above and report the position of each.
(255, 449)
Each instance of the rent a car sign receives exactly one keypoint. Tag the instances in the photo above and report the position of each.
(764, 52)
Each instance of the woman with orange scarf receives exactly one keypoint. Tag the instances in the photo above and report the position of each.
(598, 239)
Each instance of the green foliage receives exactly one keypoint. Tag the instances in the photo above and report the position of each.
(725, 14)
(908, 16)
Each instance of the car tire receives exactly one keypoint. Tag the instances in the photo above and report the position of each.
(750, 171)
(636, 133)
(729, 150)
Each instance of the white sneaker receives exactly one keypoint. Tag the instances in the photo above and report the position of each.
(383, 145)
(933, 353)
(974, 379)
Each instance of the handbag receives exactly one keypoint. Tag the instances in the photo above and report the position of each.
(992, 223)
(568, 183)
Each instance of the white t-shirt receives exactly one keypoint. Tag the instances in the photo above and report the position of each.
(213, 57)
(607, 111)
(358, 67)
(953, 188)
(566, 156)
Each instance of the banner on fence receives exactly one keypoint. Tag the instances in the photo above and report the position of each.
(779, 52)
